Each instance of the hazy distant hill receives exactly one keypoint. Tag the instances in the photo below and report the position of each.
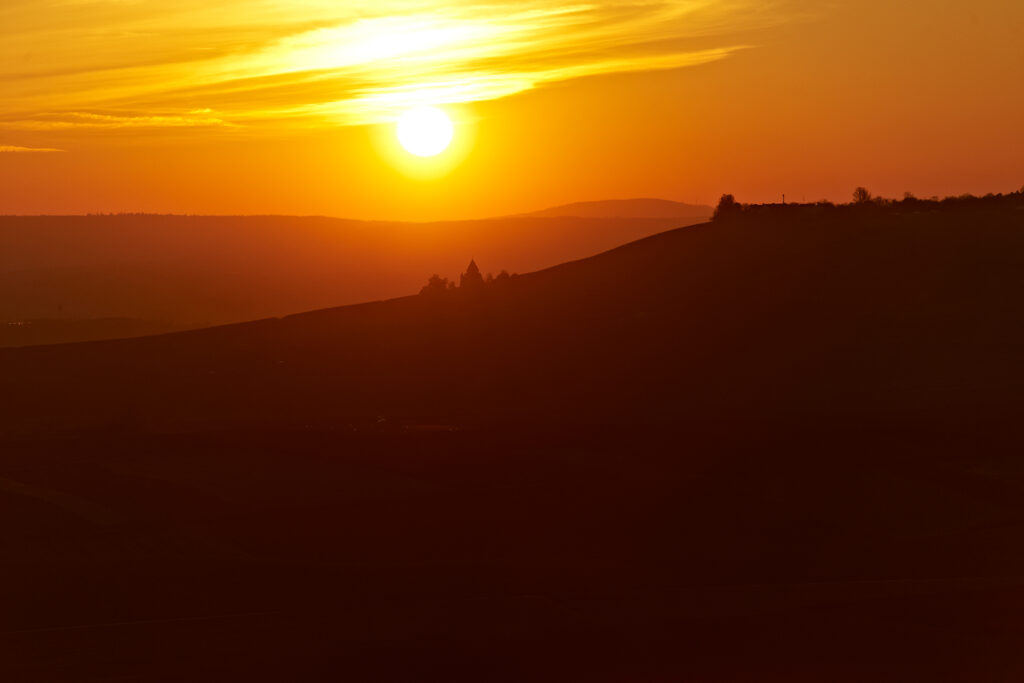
(176, 271)
(623, 208)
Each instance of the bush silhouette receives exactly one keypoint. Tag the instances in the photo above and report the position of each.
(727, 206)
(861, 195)
(436, 284)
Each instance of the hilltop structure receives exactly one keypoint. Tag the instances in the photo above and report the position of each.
(472, 277)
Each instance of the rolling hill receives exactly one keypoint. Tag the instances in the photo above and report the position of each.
(782, 446)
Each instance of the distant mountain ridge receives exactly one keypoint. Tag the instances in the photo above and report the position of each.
(626, 208)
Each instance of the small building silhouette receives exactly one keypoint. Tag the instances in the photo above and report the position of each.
(472, 278)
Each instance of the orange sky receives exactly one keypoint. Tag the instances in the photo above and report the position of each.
(254, 106)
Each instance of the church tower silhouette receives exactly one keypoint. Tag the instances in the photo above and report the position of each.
(472, 277)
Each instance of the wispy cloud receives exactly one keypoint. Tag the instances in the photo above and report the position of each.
(126, 63)
(66, 120)
(13, 149)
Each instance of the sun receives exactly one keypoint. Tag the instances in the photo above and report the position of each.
(425, 131)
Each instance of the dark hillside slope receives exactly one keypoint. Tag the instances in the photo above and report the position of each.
(889, 314)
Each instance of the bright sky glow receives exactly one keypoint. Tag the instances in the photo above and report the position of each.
(292, 106)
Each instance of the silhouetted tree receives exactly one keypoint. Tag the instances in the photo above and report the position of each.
(727, 206)
(436, 284)
(471, 278)
(861, 195)
(503, 276)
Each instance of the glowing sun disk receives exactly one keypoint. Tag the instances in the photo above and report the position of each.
(425, 131)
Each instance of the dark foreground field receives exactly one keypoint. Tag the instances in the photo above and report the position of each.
(779, 447)
(691, 553)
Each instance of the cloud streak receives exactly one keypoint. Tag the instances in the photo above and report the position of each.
(13, 149)
(124, 63)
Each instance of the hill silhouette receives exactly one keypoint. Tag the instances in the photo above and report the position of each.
(897, 311)
(628, 208)
(780, 446)
(175, 272)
